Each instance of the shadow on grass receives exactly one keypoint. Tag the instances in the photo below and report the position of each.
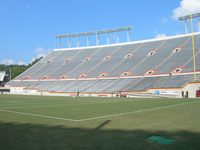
(41, 137)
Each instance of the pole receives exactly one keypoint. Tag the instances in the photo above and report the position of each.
(128, 36)
(193, 47)
(60, 42)
(108, 38)
(78, 45)
(10, 73)
(117, 37)
(199, 23)
(186, 27)
(97, 38)
(88, 42)
(69, 42)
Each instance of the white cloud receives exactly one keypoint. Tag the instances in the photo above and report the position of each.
(160, 36)
(186, 7)
(40, 52)
(7, 61)
(21, 62)
(33, 59)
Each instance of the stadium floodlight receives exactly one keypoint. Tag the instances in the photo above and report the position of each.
(197, 15)
(107, 32)
(191, 17)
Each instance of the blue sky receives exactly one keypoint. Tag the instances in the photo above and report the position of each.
(28, 27)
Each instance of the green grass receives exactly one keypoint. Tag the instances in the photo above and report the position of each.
(59, 123)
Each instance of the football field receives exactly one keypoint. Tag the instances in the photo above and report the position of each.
(58, 123)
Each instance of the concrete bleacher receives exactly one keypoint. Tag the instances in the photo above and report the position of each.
(2, 75)
(133, 66)
(2, 79)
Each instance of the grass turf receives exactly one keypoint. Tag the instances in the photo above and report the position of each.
(37, 123)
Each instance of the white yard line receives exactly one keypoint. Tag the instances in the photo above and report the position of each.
(37, 115)
(14, 101)
(138, 111)
(99, 117)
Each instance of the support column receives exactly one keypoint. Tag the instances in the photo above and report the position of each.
(108, 38)
(97, 38)
(60, 43)
(128, 35)
(199, 23)
(88, 42)
(69, 42)
(186, 26)
(193, 48)
(117, 41)
(78, 41)
(10, 74)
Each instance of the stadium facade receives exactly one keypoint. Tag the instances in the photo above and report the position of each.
(155, 67)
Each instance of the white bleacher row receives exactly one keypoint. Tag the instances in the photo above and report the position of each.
(106, 85)
(155, 57)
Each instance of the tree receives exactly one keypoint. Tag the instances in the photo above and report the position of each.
(16, 69)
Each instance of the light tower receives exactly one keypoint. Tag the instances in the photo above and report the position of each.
(108, 33)
(190, 18)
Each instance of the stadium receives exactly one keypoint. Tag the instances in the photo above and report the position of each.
(95, 92)
(149, 68)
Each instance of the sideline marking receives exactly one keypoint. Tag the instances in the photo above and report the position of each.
(73, 104)
(99, 117)
(13, 101)
(138, 111)
(37, 115)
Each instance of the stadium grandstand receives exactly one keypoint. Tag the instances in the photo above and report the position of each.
(155, 67)
(143, 66)
(2, 76)
(2, 83)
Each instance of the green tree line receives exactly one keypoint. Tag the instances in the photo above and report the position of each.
(15, 69)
